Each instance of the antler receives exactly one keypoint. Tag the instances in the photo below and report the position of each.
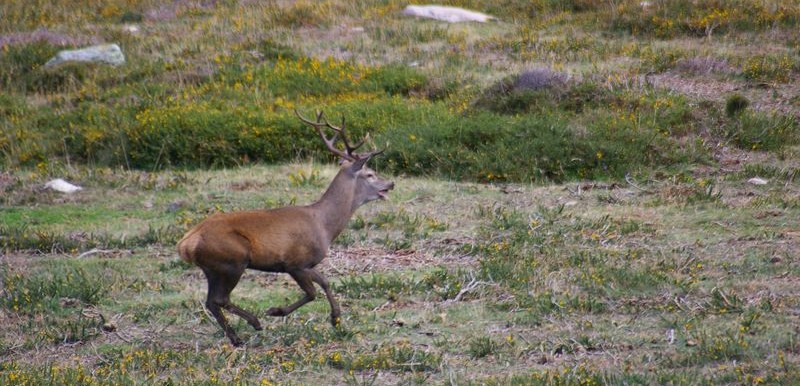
(349, 150)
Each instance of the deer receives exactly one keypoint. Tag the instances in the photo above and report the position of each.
(291, 239)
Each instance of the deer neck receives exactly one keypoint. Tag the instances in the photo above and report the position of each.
(337, 205)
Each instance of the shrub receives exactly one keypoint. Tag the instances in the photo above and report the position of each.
(769, 68)
(760, 131)
(542, 91)
(21, 62)
(131, 17)
(735, 104)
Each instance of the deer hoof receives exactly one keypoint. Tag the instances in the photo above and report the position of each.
(235, 341)
(258, 327)
(276, 311)
(336, 320)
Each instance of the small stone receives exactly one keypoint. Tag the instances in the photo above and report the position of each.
(131, 28)
(757, 181)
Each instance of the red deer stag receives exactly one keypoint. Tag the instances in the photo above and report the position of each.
(292, 239)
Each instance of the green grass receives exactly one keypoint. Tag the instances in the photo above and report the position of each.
(522, 285)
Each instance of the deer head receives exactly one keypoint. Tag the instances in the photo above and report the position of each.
(368, 186)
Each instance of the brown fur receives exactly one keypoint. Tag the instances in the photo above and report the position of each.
(291, 239)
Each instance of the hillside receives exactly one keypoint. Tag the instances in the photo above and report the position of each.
(587, 192)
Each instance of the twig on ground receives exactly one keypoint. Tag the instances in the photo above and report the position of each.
(633, 183)
(95, 251)
(467, 288)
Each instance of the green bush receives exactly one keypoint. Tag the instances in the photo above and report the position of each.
(21, 63)
(486, 146)
(735, 104)
(396, 79)
(760, 131)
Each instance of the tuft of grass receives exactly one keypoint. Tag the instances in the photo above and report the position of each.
(44, 293)
(396, 356)
(481, 346)
(760, 131)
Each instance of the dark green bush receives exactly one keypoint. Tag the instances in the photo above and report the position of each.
(735, 104)
(131, 17)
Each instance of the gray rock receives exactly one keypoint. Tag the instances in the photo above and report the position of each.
(105, 53)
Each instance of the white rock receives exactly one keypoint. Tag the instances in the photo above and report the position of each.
(59, 185)
(448, 14)
(106, 53)
(131, 29)
(757, 181)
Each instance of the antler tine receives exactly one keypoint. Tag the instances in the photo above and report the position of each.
(349, 150)
(329, 142)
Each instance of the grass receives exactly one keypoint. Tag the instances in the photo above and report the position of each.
(572, 202)
(535, 285)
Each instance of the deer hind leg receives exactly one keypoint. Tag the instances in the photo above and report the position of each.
(220, 286)
(304, 280)
(323, 282)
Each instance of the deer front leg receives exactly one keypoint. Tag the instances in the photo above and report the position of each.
(303, 279)
(323, 282)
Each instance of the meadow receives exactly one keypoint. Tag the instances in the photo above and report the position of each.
(574, 201)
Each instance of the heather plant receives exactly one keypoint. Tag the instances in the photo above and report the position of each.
(703, 66)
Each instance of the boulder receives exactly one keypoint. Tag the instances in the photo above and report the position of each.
(448, 14)
(59, 185)
(104, 53)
